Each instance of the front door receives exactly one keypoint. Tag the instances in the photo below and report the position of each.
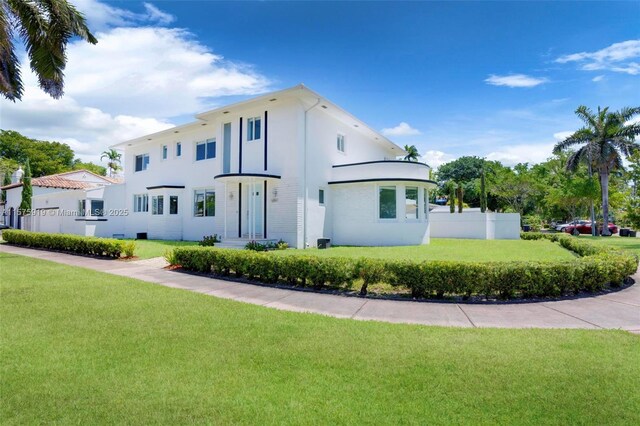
(253, 212)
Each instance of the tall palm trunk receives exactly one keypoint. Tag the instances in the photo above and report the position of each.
(604, 185)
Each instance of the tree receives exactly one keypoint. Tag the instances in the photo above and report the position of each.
(27, 191)
(605, 138)
(45, 27)
(46, 158)
(632, 205)
(94, 168)
(113, 160)
(483, 192)
(412, 153)
(5, 181)
(459, 196)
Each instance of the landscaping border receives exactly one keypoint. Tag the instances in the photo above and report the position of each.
(595, 269)
(77, 244)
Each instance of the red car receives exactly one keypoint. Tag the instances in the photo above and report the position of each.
(585, 228)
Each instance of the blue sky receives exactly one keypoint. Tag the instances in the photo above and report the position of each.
(493, 79)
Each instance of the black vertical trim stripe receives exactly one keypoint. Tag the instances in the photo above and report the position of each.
(265, 139)
(240, 147)
(240, 209)
(264, 209)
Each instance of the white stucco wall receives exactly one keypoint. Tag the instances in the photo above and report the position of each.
(476, 225)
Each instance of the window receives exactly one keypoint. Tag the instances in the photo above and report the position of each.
(206, 150)
(411, 202)
(178, 149)
(173, 204)
(340, 143)
(142, 162)
(165, 151)
(81, 208)
(97, 208)
(157, 204)
(253, 129)
(140, 203)
(321, 197)
(387, 202)
(204, 203)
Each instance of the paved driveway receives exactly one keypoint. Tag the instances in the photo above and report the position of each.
(619, 310)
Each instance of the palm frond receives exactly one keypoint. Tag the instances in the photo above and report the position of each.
(586, 115)
(574, 160)
(10, 79)
(583, 135)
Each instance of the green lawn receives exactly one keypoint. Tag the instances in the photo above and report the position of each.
(146, 249)
(632, 244)
(453, 249)
(82, 347)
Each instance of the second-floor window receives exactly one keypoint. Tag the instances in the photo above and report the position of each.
(253, 129)
(340, 142)
(178, 149)
(140, 203)
(165, 152)
(142, 162)
(206, 150)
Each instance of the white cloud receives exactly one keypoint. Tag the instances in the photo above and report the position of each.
(617, 57)
(101, 16)
(402, 129)
(157, 15)
(597, 78)
(560, 136)
(522, 153)
(133, 82)
(436, 158)
(515, 80)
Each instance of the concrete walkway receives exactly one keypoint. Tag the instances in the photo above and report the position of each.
(619, 310)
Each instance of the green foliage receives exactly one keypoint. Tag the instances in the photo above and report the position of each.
(596, 268)
(269, 245)
(113, 160)
(412, 153)
(93, 168)
(46, 158)
(27, 190)
(209, 240)
(459, 196)
(77, 244)
(6, 180)
(452, 199)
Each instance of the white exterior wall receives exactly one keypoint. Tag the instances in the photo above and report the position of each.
(474, 225)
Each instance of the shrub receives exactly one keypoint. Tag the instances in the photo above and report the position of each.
(129, 248)
(209, 240)
(596, 268)
(77, 244)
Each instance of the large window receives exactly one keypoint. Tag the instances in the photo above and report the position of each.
(411, 202)
(157, 204)
(206, 150)
(178, 149)
(204, 203)
(142, 162)
(340, 142)
(97, 208)
(173, 204)
(387, 202)
(140, 203)
(165, 152)
(253, 128)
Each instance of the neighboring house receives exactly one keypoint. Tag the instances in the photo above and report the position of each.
(45, 188)
(288, 165)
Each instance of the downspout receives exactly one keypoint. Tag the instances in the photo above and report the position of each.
(304, 179)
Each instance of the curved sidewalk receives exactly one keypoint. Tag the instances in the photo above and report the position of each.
(619, 310)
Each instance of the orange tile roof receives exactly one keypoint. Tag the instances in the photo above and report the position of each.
(59, 181)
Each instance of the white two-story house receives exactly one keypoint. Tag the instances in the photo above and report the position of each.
(288, 165)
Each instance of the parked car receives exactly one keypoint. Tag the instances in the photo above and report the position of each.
(562, 226)
(585, 228)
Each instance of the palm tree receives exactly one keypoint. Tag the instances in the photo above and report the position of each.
(605, 138)
(45, 27)
(113, 160)
(412, 153)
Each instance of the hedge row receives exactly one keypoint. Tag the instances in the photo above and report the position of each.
(595, 269)
(70, 243)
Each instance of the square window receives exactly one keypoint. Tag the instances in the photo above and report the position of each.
(142, 162)
(97, 208)
(387, 202)
(321, 197)
(204, 202)
(173, 204)
(206, 150)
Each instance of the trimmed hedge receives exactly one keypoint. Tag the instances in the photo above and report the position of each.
(92, 246)
(596, 268)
